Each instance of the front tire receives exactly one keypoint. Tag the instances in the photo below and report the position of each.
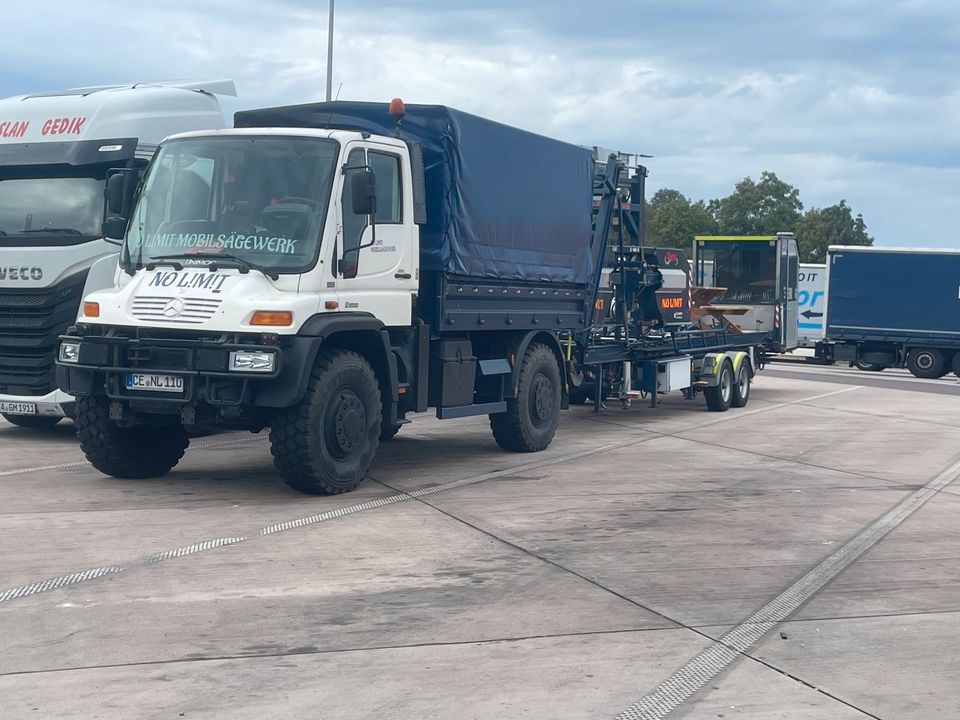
(144, 451)
(531, 419)
(720, 396)
(325, 444)
(36, 422)
(926, 363)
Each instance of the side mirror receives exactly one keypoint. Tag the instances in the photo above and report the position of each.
(363, 192)
(116, 193)
(114, 227)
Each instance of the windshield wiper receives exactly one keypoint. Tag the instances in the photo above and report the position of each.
(245, 265)
(212, 263)
(69, 231)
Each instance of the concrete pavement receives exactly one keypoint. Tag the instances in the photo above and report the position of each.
(566, 584)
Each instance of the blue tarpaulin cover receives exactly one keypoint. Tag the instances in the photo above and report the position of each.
(501, 202)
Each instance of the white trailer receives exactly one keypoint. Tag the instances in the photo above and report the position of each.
(811, 304)
(55, 152)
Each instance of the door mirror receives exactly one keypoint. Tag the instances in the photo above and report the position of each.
(114, 227)
(363, 192)
(115, 193)
(118, 194)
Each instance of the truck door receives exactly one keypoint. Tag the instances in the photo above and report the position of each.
(788, 269)
(380, 278)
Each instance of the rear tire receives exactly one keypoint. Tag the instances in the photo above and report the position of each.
(955, 364)
(144, 451)
(37, 422)
(720, 396)
(741, 387)
(926, 363)
(869, 367)
(325, 444)
(531, 419)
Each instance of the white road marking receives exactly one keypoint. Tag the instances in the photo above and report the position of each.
(693, 676)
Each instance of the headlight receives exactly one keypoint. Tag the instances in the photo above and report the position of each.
(243, 361)
(69, 351)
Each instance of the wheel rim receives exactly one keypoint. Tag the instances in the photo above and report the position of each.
(743, 384)
(345, 424)
(726, 384)
(541, 400)
(924, 361)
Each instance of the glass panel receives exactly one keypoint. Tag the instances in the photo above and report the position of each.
(261, 199)
(63, 204)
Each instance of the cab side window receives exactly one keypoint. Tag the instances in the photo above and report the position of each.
(353, 224)
(386, 168)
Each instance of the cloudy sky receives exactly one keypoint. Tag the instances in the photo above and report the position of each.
(853, 99)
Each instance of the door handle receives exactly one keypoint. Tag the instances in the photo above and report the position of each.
(403, 276)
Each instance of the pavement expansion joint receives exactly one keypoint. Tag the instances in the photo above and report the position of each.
(693, 676)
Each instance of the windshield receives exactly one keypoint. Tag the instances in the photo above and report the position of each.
(260, 199)
(745, 269)
(60, 204)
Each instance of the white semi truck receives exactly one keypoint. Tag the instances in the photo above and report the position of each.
(56, 149)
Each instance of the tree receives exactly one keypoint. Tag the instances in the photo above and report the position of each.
(673, 220)
(834, 225)
(761, 208)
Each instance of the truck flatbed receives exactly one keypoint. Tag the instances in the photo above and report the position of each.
(669, 345)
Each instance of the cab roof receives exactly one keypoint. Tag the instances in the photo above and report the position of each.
(146, 111)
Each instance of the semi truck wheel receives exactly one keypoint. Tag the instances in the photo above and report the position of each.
(325, 444)
(720, 396)
(955, 364)
(530, 421)
(869, 367)
(926, 363)
(741, 388)
(145, 451)
(38, 422)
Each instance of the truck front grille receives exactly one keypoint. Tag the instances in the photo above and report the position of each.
(180, 311)
(31, 322)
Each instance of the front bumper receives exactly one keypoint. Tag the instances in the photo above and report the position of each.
(105, 361)
(55, 403)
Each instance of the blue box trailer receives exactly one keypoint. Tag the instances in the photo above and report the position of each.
(894, 307)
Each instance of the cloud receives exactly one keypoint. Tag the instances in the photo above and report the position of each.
(844, 98)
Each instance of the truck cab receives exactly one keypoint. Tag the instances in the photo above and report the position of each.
(56, 150)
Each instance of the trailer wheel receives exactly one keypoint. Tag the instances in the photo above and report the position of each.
(144, 451)
(955, 364)
(325, 444)
(741, 387)
(530, 421)
(720, 396)
(37, 422)
(926, 363)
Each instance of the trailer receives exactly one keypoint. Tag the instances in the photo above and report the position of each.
(325, 270)
(56, 150)
(811, 304)
(636, 348)
(893, 307)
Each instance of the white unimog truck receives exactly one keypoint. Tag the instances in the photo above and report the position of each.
(323, 270)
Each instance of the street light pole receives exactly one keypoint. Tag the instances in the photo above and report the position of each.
(330, 54)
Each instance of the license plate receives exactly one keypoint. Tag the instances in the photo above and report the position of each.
(18, 408)
(157, 383)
